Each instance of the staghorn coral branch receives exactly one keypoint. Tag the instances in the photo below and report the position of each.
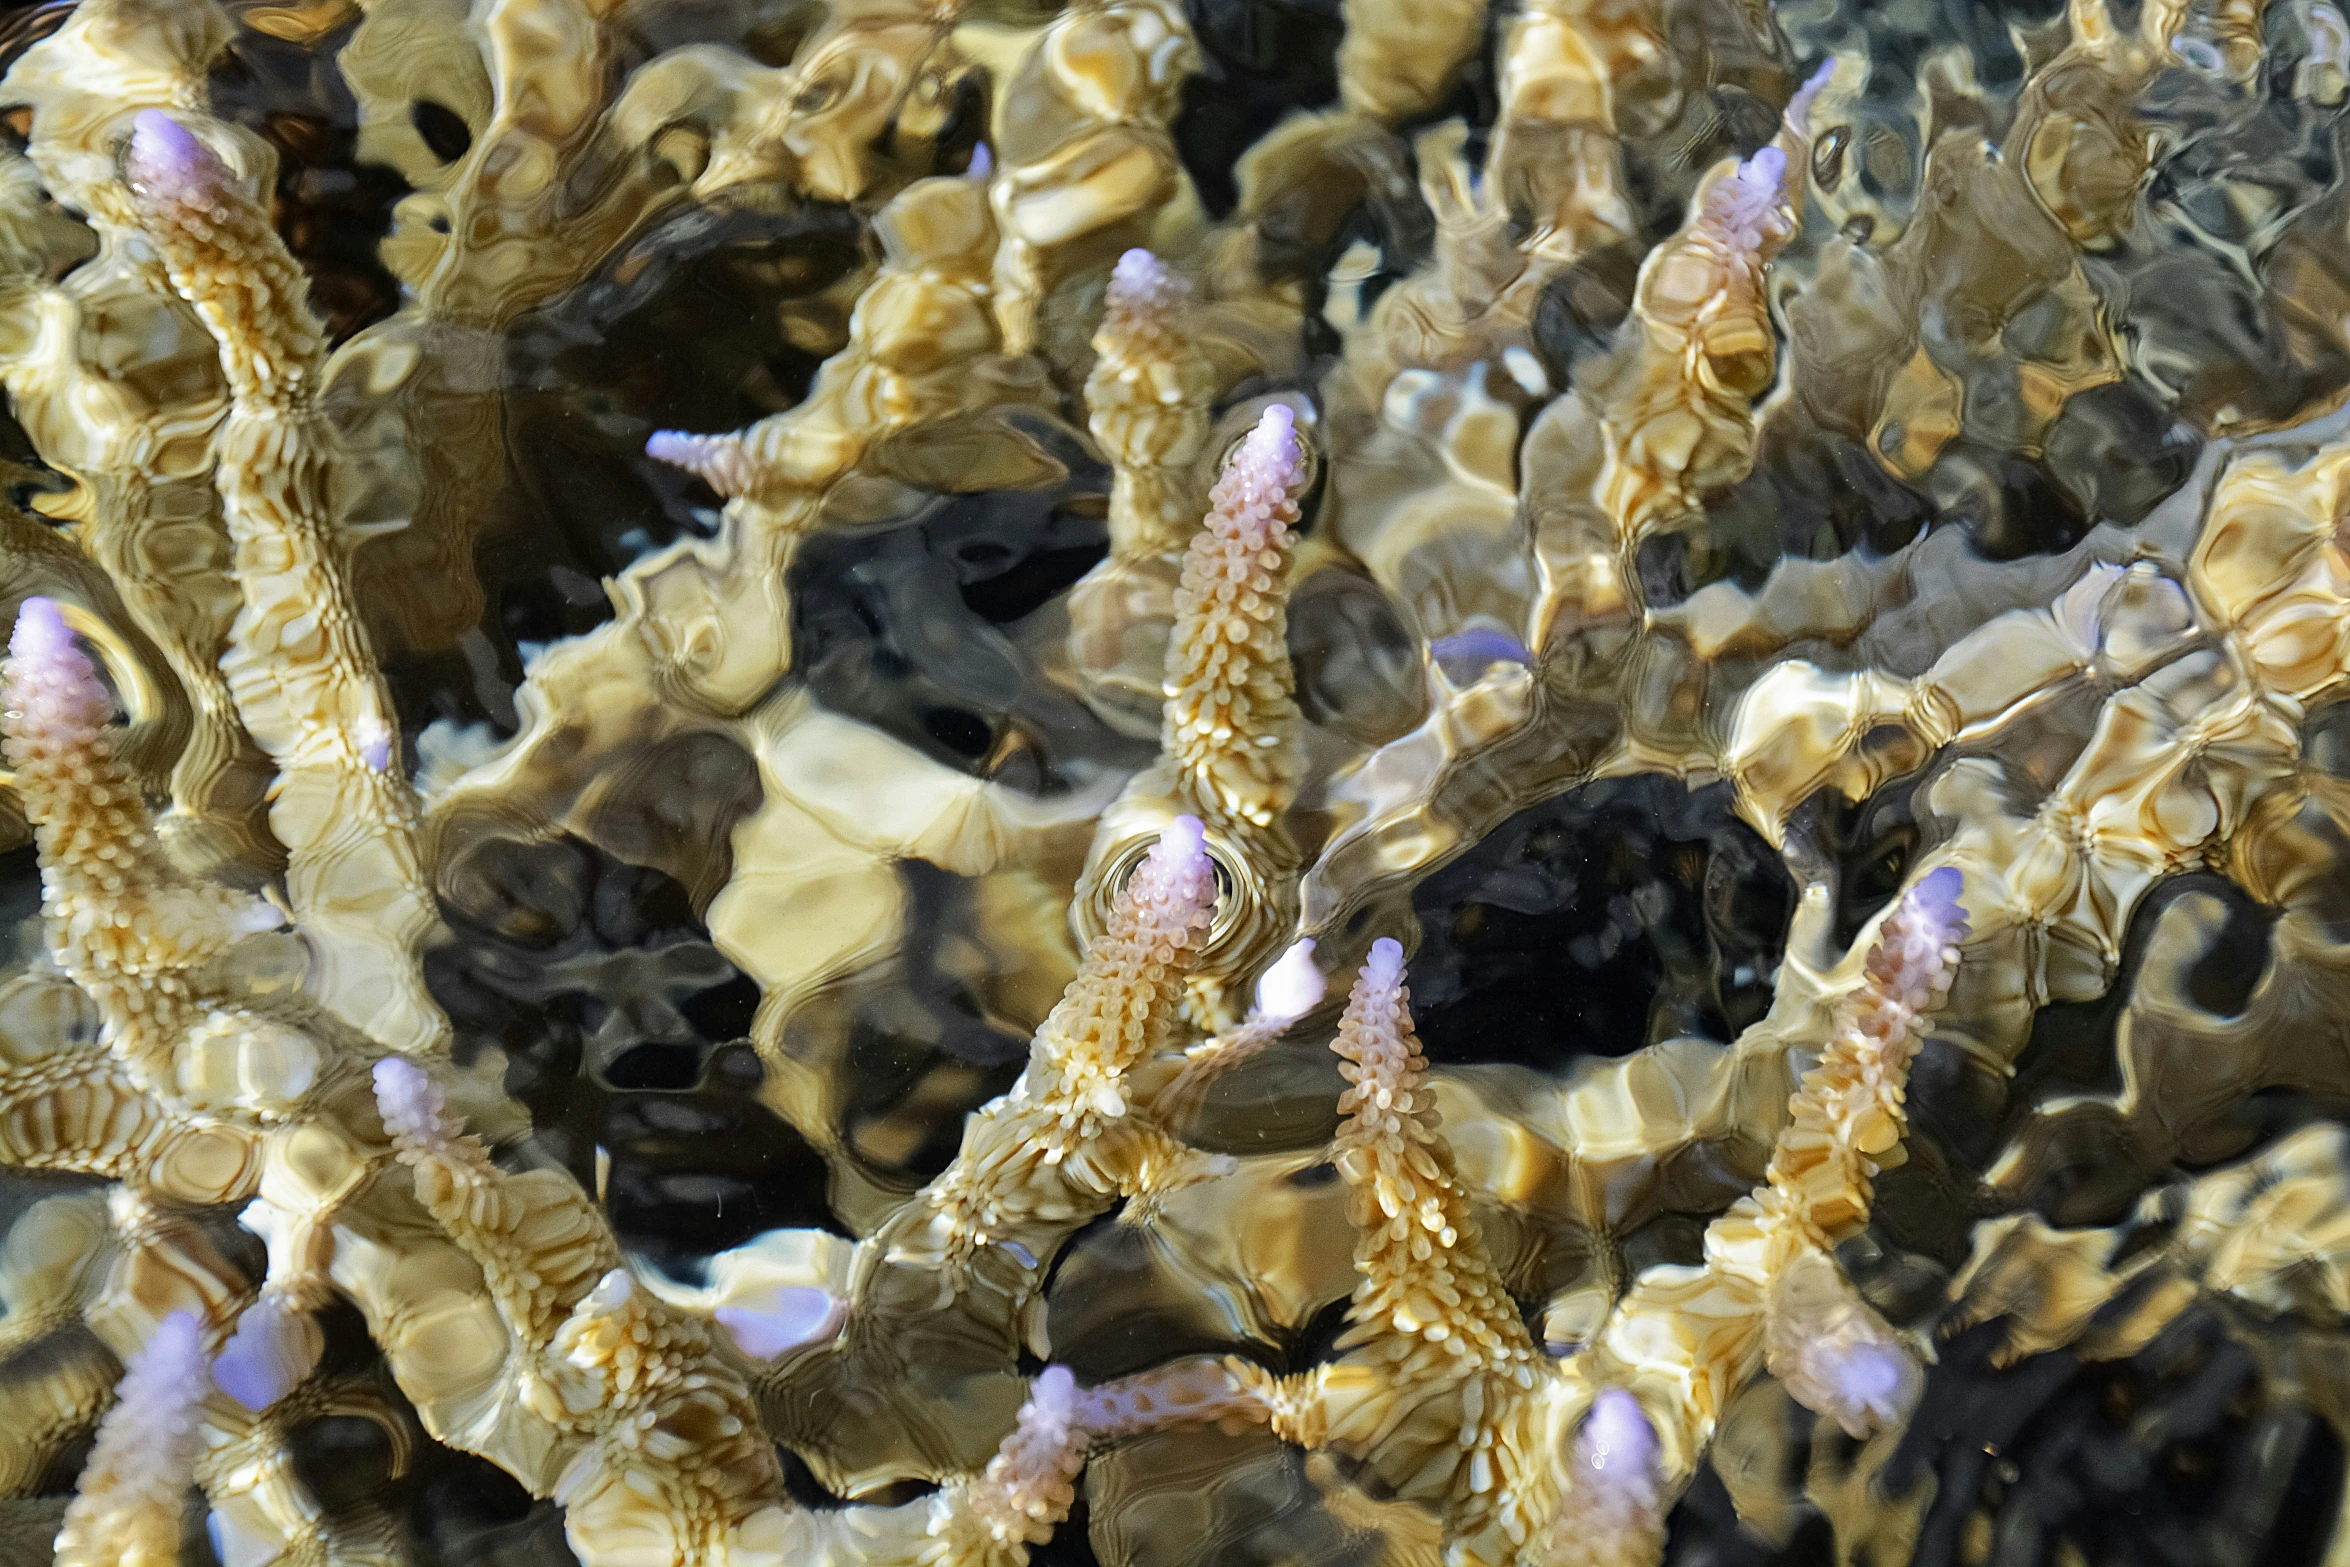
(127, 1509)
(941, 1296)
(921, 345)
(914, 338)
(1439, 1387)
(1147, 401)
(1231, 718)
(1848, 1112)
(121, 920)
(1689, 1338)
(1029, 1485)
(656, 1446)
(1109, 1018)
(1426, 1280)
(118, 908)
(1060, 1145)
(299, 667)
(1228, 745)
(226, 260)
(1675, 402)
(541, 1249)
(86, 383)
(1832, 1351)
(1702, 347)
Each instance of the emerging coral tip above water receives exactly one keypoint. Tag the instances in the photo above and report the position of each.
(879, 784)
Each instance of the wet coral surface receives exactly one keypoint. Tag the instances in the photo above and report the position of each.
(1154, 782)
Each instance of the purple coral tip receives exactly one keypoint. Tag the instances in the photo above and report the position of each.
(717, 460)
(410, 1104)
(1739, 207)
(168, 158)
(1182, 847)
(1616, 1438)
(264, 1358)
(1384, 967)
(1292, 987)
(1176, 881)
(1799, 106)
(982, 163)
(41, 633)
(179, 1337)
(1052, 1413)
(1465, 655)
(1137, 272)
(375, 744)
(1055, 1388)
(1268, 458)
(1936, 897)
(675, 447)
(1870, 1377)
(794, 1314)
(52, 685)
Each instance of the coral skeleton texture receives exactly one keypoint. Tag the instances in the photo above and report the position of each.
(705, 704)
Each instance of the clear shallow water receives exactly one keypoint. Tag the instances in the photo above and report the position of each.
(1983, 401)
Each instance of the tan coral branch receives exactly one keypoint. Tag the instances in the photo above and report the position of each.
(299, 665)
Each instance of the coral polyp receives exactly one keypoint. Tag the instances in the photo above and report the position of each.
(877, 783)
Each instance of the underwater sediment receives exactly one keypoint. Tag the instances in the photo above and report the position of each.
(1256, 781)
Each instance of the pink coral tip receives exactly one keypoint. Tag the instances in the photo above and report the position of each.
(717, 460)
(147, 1443)
(1175, 883)
(176, 1348)
(168, 159)
(1292, 987)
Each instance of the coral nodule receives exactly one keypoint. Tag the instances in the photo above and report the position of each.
(885, 782)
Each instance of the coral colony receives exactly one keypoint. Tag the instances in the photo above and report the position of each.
(1378, 783)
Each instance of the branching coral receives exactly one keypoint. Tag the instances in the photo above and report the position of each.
(1147, 404)
(1228, 741)
(298, 667)
(1445, 1389)
(1790, 560)
(136, 1485)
